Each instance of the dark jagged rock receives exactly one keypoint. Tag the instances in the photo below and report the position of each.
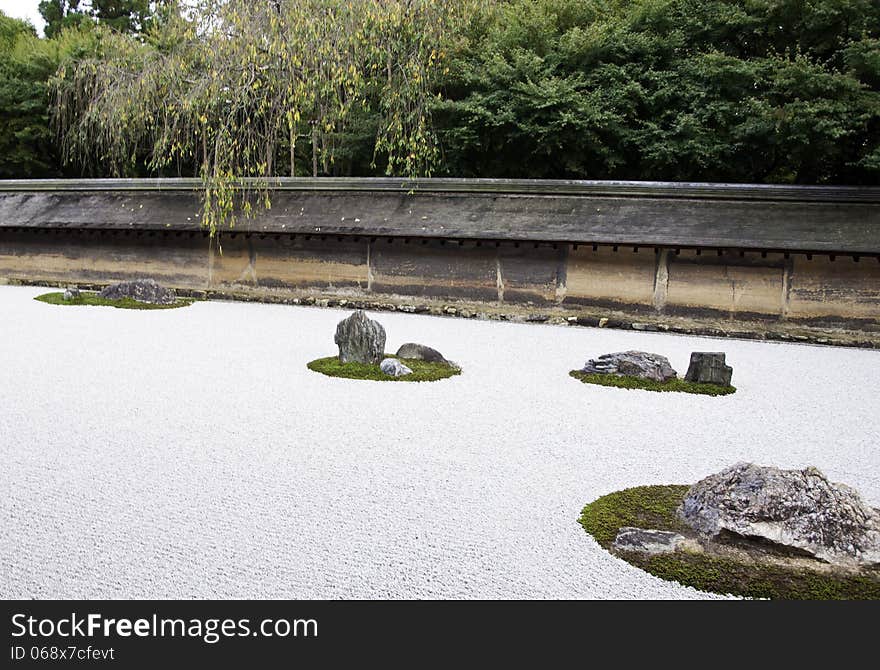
(797, 509)
(142, 290)
(360, 339)
(420, 352)
(632, 364)
(708, 367)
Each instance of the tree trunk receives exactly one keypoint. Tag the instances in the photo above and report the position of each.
(314, 151)
(292, 149)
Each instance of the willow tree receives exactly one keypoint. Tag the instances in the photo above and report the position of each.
(222, 85)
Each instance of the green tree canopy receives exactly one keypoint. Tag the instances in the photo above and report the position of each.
(747, 90)
(127, 16)
(27, 146)
(707, 90)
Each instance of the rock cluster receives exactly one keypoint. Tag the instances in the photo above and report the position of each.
(360, 339)
(632, 364)
(71, 293)
(394, 368)
(797, 509)
(142, 290)
(709, 368)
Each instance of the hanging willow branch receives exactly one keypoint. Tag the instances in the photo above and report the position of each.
(220, 85)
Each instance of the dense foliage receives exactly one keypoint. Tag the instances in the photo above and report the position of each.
(710, 90)
(706, 90)
(28, 147)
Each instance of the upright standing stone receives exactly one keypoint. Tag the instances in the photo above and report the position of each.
(360, 339)
(709, 368)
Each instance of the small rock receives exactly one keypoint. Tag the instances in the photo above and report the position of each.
(647, 541)
(394, 368)
(420, 352)
(360, 339)
(709, 368)
(71, 293)
(142, 290)
(632, 364)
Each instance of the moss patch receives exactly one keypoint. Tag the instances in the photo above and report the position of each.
(679, 385)
(654, 507)
(94, 299)
(422, 371)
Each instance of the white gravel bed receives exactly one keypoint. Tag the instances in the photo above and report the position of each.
(190, 453)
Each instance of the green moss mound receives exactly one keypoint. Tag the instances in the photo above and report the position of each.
(679, 385)
(422, 371)
(93, 299)
(654, 507)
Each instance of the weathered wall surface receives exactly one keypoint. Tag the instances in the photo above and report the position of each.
(813, 262)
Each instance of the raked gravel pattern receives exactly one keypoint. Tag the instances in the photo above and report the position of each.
(190, 454)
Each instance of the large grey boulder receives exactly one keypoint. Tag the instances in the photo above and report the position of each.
(709, 367)
(798, 509)
(646, 541)
(394, 368)
(360, 339)
(142, 290)
(420, 352)
(632, 364)
(71, 293)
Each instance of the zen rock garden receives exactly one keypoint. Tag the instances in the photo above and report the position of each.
(707, 374)
(748, 530)
(135, 294)
(361, 343)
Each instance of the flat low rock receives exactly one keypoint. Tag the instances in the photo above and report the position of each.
(360, 339)
(796, 509)
(420, 352)
(142, 290)
(394, 368)
(647, 541)
(639, 364)
(709, 367)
